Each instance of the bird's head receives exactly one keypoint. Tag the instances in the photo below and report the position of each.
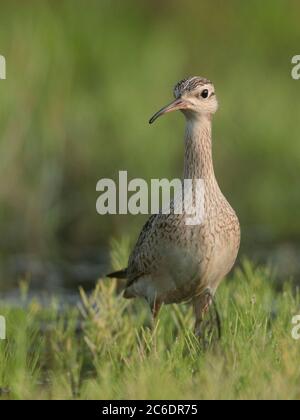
(194, 96)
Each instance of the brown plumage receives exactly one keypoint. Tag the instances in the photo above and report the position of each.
(171, 261)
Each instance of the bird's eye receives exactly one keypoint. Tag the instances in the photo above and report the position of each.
(204, 93)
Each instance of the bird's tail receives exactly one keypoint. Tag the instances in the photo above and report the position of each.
(121, 274)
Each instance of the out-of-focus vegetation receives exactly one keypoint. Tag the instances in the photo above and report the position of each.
(106, 350)
(82, 80)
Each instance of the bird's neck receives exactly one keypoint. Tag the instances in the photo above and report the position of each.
(198, 163)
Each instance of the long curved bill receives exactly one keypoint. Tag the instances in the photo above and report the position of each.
(173, 106)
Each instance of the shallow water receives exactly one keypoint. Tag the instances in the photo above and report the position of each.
(49, 278)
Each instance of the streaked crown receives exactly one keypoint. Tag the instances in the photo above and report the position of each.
(189, 84)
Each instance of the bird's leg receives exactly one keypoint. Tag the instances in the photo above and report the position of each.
(155, 308)
(201, 307)
(218, 318)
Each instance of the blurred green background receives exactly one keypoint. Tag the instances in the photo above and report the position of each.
(84, 77)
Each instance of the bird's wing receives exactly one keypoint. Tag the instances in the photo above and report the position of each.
(142, 256)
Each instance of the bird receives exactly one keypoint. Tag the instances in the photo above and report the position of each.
(173, 262)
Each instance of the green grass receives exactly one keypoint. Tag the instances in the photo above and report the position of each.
(105, 349)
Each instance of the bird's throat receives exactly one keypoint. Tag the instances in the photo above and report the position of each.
(198, 163)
